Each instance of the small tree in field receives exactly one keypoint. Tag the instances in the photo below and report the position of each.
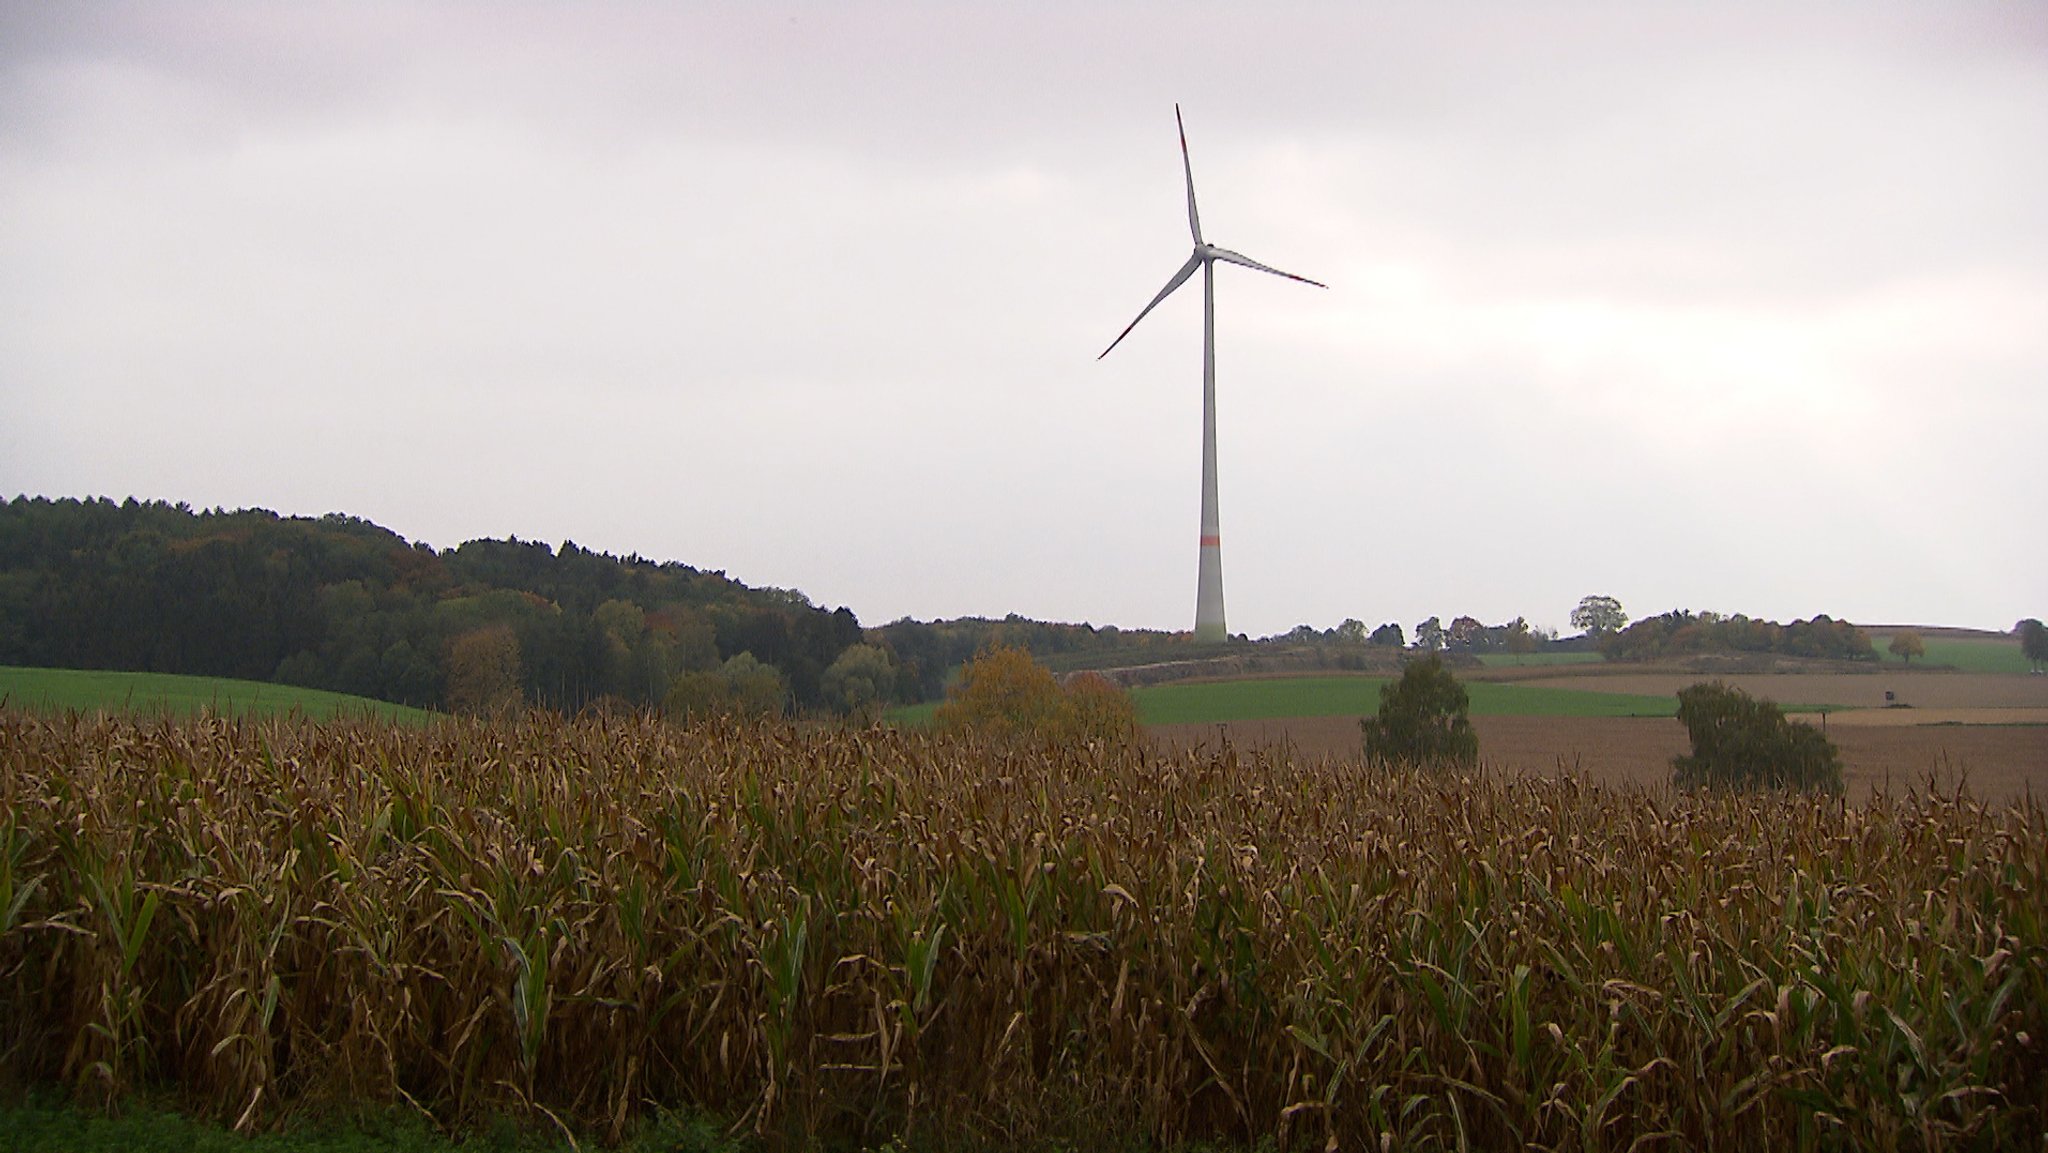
(1907, 645)
(2034, 643)
(1422, 720)
(1743, 742)
(1098, 709)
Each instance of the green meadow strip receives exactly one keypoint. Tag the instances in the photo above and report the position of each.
(1291, 697)
(1964, 654)
(98, 690)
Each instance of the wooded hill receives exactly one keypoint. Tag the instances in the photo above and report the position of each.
(337, 602)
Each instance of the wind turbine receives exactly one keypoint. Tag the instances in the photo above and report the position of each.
(1209, 627)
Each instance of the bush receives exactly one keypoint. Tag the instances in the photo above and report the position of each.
(1744, 742)
(1003, 692)
(741, 687)
(1422, 720)
(860, 682)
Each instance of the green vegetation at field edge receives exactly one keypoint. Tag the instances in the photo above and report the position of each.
(1964, 654)
(1206, 702)
(1281, 698)
(40, 1126)
(912, 716)
(95, 690)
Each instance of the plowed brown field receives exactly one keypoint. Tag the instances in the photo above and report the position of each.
(1999, 761)
(1920, 690)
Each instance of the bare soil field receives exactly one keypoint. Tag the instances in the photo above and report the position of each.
(1999, 762)
(1919, 690)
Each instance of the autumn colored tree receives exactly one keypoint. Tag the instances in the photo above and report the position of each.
(1004, 693)
(1464, 633)
(483, 670)
(1907, 645)
(1520, 640)
(1099, 709)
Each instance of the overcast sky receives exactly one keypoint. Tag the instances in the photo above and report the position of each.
(1740, 308)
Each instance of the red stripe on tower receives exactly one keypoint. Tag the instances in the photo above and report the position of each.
(1212, 541)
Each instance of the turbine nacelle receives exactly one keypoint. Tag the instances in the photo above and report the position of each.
(1205, 253)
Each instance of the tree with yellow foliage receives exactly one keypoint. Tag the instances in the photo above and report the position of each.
(1003, 692)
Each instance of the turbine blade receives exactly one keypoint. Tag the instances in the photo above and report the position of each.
(1225, 254)
(1179, 278)
(1187, 168)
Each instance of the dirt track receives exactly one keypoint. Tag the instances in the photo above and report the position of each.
(2001, 761)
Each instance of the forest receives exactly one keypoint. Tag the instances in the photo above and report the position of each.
(337, 602)
(1684, 634)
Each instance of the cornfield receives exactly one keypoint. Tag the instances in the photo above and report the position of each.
(829, 936)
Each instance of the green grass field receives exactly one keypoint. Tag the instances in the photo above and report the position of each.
(92, 690)
(1965, 654)
(1208, 702)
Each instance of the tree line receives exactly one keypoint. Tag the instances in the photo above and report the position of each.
(1681, 634)
(339, 603)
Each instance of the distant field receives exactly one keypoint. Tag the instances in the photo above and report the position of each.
(2001, 762)
(91, 690)
(1266, 698)
(1966, 654)
(1208, 702)
(1530, 660)
(1582, 685)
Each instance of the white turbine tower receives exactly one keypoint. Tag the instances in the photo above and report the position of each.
(1209, 626)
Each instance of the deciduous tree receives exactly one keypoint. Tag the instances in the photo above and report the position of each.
(742, 686)
(2034, 643)
(1429, 635)
(1002, 690)
(1004, 693)
(1464, 632)
(1100, 710)
(1907, 645)
(861, 681)
(483, 670)
(1520, 640)
(1743, 742)
(1598, 616)
(1422, 719)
